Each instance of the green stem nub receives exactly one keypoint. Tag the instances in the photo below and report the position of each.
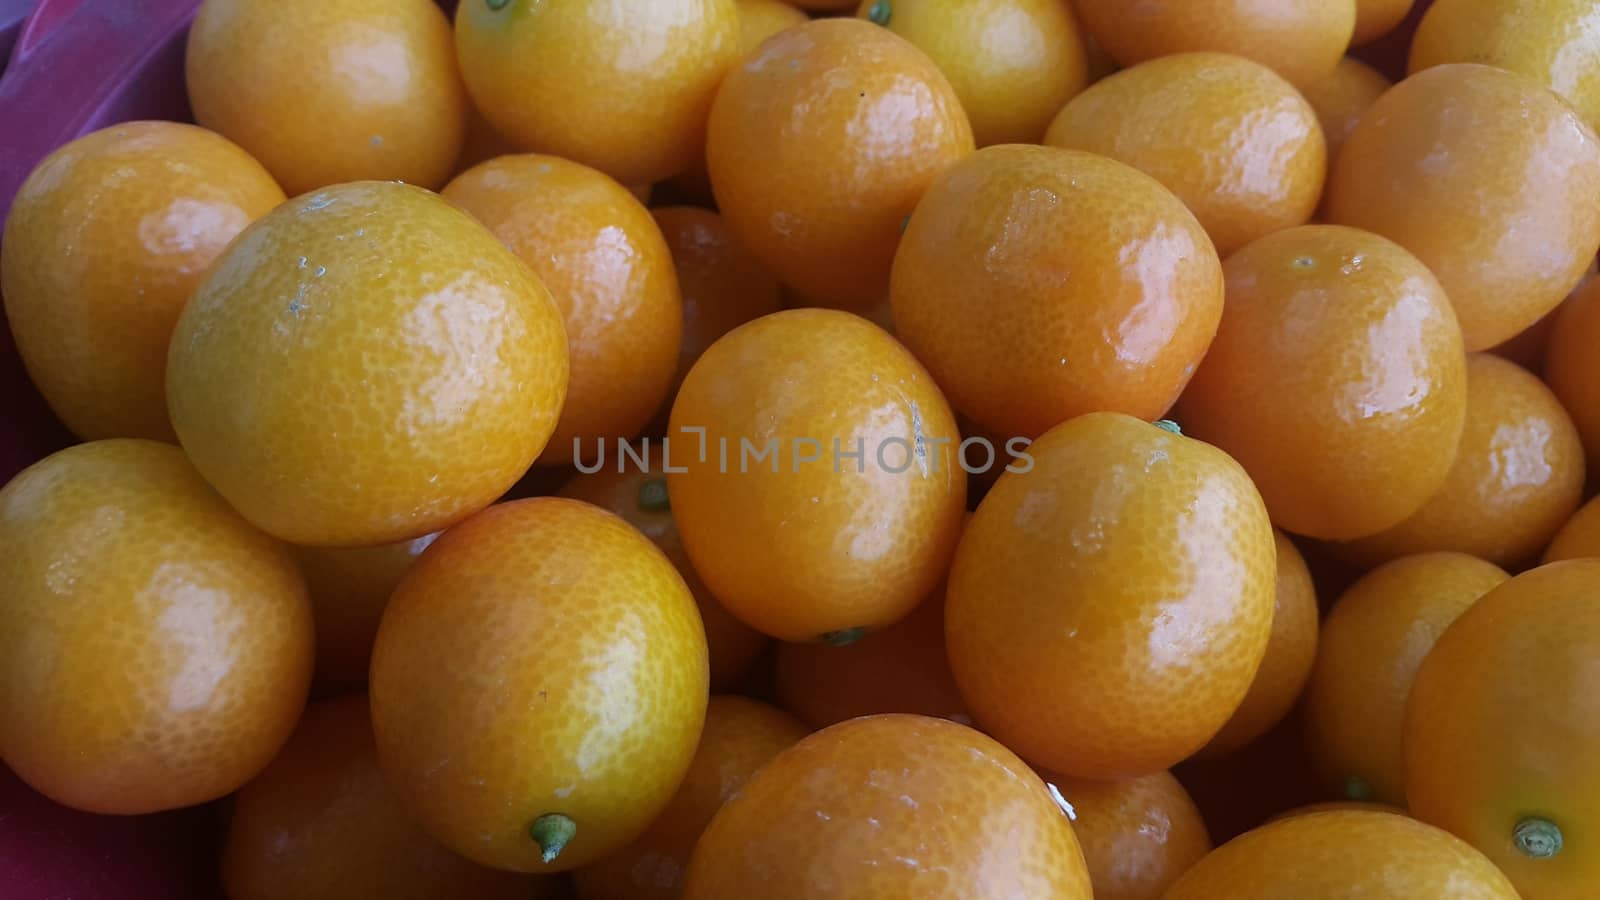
(552, 832)
(653, 496)
(1356, 788)
(1537, 838)
(844, 637)
(879, 13)
(1169, 425)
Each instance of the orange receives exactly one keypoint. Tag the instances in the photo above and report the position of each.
(1337, 379)
(1301, 40)
(604, 260)
(1344, 855)
(631, 483)
(327, 92)
(1138, 835)
(538, 685)
(320, 823)
(1340, 806)
(1291, 650)
(1501, 730)
(1013, 63)
(901, 669)
(820, 144)
(740, 736)
(1504, 222)
(1554, 42)
(156, 202)
(1572, 368)
(155, 650)
(624, 88)
(1528, 348)
(887, 807)
(1376, 18)
(1373, 642)
(1109, 608)
(1341, 99)
(761, 19)
(816, 481)
(1238, 144)
(824, 6)
(1517, 477)
(349, 588)
(1579, 537)
(364, 365)
(1097, 289)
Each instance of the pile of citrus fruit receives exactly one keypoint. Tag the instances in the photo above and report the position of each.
(735, 450)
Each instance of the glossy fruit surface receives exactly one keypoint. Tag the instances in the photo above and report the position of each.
(1337, 380)
(604, 261)
(1138, 835)
(761, 19)
(1373, 642)
(349, 588)
(542, 662)
(328, 92)
(1376, 18)
(1572, 368)
(1579, 538)
(366, 364)
(1341, 99)
(1237, 143)
(156, 202)
(1479, 172)
(1108, 609)
(820, 144)
(1098, 290)
(880, 807)
(155, 650)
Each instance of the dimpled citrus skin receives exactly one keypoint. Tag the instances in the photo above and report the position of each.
(1108, 609)
(155, 650)
(1138, 834)
(1501, 726)
(820, 144)
(1238, 144)
(1012, 62)
(761, 19)
(105, 242)
(328, 92)
(1337, 380)
(1302, 40)
(887, 807)
(1517, 478)
(622, 87)
(1342, 98)
(1290, 653)
(366, 364)
(1339, 806)
(1484, 175)
(594, 245)
(1579, 537)
(741, 735)
(542, 657)
(1572, 368)
(800, 547)
(1344, 855)
(1373, 642)
(349, 588)
(1097, 290)
(1376, 18)
(320, 823)
(636, 491)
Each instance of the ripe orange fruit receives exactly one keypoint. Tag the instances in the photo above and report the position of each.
(879, 808)
(1554, 42)
(366, 364)
(1337, 380)
(1138, 835)
(815, 477)
(1505, 225)
(349, 588)
(329, 92)
(1013, 63)
(821, 143)
(635, 488)
(1340, 806)
(761, 19)
(1097, 290)
(320, 823)
(1373, 642)
(153, 203)
(740, 736)
(1572, 369)
(1302, 40)
(1109, 608)
(155, 650)
(1579, 537)
(1344, 855)
(1291, 650)
(624, 88)
(538, 685)
(1376, 18)
(1238, 144)
(604, 260)
(1500, 730)
(824, 6)
(1341, 99)
(1517, 477)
